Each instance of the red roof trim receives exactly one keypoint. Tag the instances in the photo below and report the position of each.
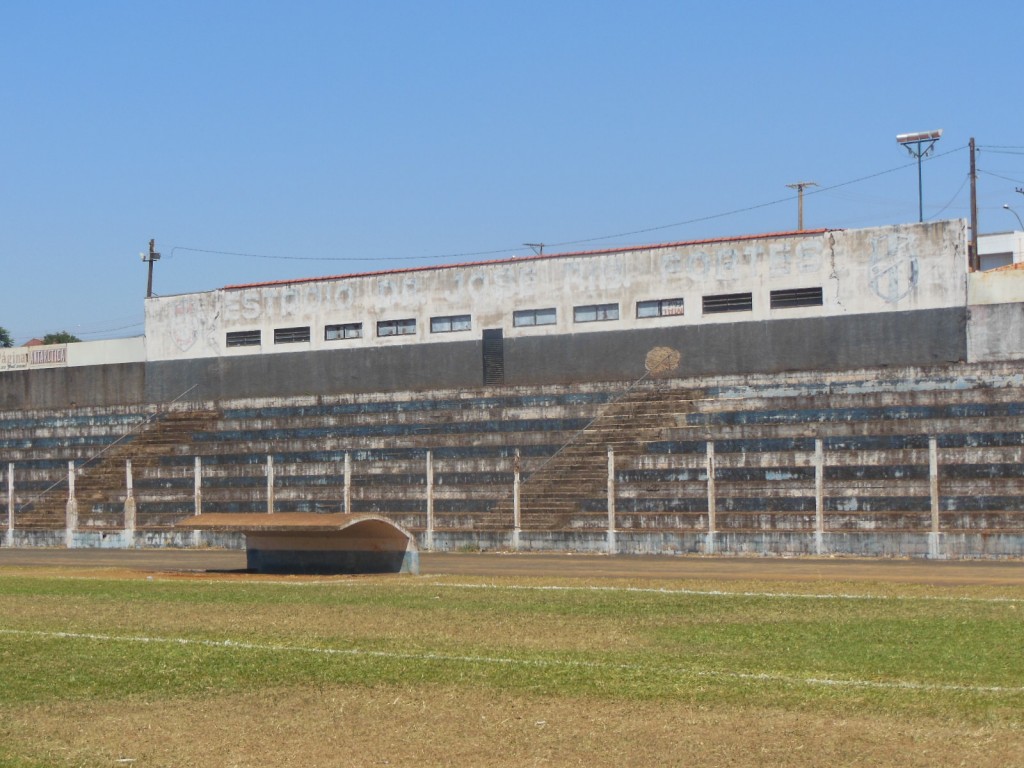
(511, 259)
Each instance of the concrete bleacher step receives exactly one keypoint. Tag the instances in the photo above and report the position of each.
(100, 485)
(551, 496)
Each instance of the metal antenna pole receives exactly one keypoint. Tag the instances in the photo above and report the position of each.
(799, 186)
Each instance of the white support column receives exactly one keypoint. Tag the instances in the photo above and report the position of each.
(71, 509)
(934, 550)
(197, 496)
(819, 496)
(709, 547)
(197, 493)
(9, 542)
(517, 510)
(347, 501)
(129, 505)
(430, 501)
(270, 484)
(612, 545)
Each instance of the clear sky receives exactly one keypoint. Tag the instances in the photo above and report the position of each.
(337, 137)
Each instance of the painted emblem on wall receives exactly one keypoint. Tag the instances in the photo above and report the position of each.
(184, 325)
(893, 269)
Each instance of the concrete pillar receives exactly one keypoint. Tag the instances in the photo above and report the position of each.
(347, 500)
(197, 480)
(270, 484)
(612, 546)
(517, 510)
(709, 546)
(430, 501)
(9, 537)
(71, 509)
(819, 496)
(197, 496)
(129, 506)
(934, 536)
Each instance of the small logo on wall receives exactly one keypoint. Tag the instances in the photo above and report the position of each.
(184, 323)
(893, 269)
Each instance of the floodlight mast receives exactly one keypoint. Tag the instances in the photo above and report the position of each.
(914, 143)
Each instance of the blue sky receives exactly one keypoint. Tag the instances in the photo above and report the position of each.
(340, 137)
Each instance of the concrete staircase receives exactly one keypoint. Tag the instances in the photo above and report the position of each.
(553, 496)
(100, 484)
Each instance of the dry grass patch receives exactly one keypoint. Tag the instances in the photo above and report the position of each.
(438, 725)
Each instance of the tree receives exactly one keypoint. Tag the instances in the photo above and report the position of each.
(61, 337)
(5, 338)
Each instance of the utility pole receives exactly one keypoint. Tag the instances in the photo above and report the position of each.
(973, 258)
(799, 187)
(153, 256)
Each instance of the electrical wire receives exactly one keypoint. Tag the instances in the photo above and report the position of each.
(580, 241)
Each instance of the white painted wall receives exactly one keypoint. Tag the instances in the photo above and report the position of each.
(884, 269)
(104, 352)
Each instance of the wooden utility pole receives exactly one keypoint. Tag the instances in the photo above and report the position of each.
(153, 256)
(799, 187)
(973, 259)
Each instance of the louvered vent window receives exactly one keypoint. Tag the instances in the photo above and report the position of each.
(796, 297)
(291, 335)
(728, 302)
(244, 339)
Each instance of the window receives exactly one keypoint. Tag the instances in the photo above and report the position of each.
(728, 302)
(450, 323)
(995, 260)
(796, 297)
(396, 327)
(244, 339)
(594, 312)
(343, 331)
(291, 335)
(526, 317)
(659, 308)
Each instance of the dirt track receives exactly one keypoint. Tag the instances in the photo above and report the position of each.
(567, 566)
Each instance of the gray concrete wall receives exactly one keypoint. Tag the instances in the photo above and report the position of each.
(925, 337)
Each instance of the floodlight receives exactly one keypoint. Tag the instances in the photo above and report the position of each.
(908, 138)
(914, 143)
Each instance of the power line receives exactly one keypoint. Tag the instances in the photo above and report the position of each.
(580, 241)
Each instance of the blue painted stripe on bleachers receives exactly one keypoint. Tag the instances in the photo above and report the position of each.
(392, 430)
(421, 406)
(641, 476)
(980, 471)
(980, 439)
(878, 472)
(982, 503)
(648, 504)
(874, 442)
(765, 504)
(856, 414)
(381, 506)
(157, 483)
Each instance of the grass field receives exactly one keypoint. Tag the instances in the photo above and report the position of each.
(233, 671)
